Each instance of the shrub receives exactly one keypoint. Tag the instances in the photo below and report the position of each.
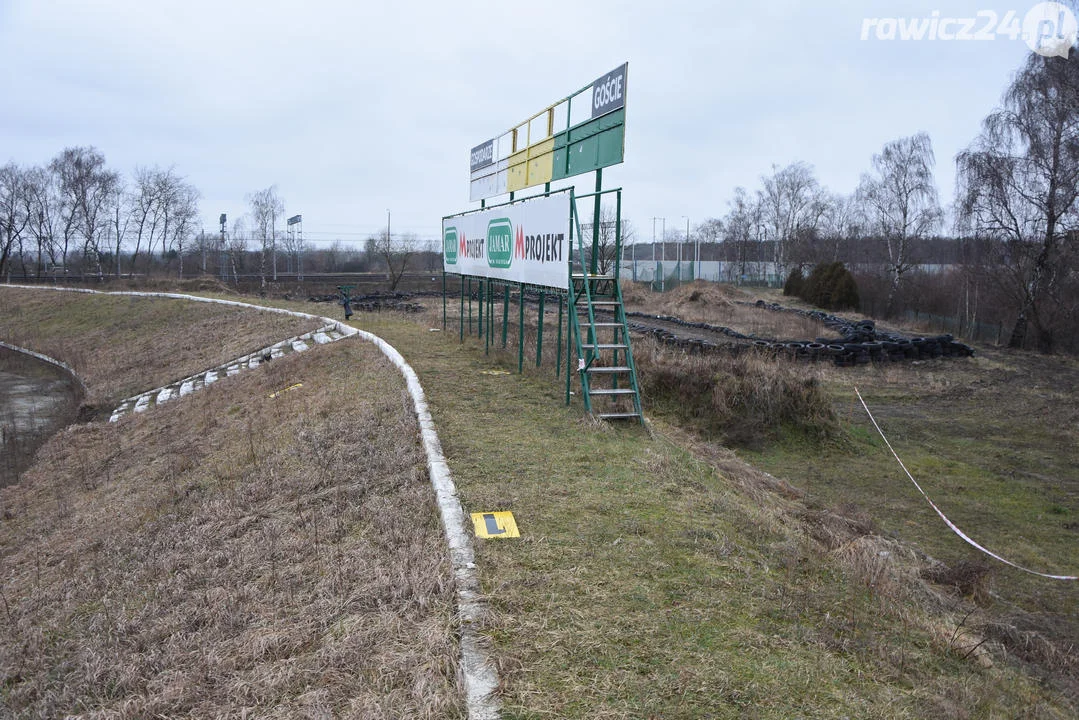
(794, 284)
(831, 286)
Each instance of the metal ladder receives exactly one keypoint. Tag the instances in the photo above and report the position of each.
(605, 365)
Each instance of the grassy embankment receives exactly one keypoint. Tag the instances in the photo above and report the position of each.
(230, 553)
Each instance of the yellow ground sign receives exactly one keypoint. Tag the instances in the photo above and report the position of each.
(279, 393)
(495, 525)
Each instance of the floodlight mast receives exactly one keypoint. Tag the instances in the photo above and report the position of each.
(223, 258)
(295, 237)
(680, 251)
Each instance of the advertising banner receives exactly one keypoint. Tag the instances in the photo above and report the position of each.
(527, 242)
(549, 147)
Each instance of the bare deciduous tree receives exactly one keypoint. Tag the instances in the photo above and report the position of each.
(41, 201)
(266, 206)
(606, 245)
(86, 189)
(163, 207)
(791, 206)
(13, 216)
(743, 229)
(1018, 184)
(119, 222)
(900, 200)
(842, 219)
(395, 251)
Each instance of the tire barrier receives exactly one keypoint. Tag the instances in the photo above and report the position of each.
(858, 343)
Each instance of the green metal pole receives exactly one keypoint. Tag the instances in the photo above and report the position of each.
(595, 223)
(443, 301)
(521, 329)
(505, 312)
(569, 344)
(470, 306)
(461, 315)
(479, 326)
(539, 330)
(558, 358)
(618, 236)
(487, 335)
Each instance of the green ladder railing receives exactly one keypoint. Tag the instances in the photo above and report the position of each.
(605, 367)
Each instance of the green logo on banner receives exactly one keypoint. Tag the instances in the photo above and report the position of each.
(500, 243)
(449, 246)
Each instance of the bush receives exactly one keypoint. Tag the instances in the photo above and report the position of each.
(845, 295)
(831, 286)
(794, 284)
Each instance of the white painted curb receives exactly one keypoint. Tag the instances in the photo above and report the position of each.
(480, 678)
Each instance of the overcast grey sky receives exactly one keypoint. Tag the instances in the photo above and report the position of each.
(353, 108)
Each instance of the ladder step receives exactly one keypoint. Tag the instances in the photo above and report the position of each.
(600, 302)
(615, 391)
(617, 416)
(605, 346)
(608, 369)
(614, 325)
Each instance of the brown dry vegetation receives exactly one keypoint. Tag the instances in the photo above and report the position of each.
(147, 342)
(740, 400)
(660, 575)
(993, 439)
(654, 582)
(233, 555)
(709, 302)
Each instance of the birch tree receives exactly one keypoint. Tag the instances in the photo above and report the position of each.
(899, 198)
(1018, 185)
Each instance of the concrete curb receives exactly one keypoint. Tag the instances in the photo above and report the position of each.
(479, 675)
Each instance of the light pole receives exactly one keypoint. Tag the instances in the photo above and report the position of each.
(662, 252)
(654, 245)
(680, 251)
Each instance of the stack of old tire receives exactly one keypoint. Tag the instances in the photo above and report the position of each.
(860, 342)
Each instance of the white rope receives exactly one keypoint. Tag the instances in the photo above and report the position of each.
(944, 517)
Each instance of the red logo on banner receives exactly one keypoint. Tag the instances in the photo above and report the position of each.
(519, 245)
(464, 248)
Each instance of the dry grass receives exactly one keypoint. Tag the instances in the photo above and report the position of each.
(654, 582)
(709, 302)
(123, 345)
(233, 555)
(742, 400)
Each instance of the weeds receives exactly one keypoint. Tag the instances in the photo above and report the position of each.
(742, 400)
(283, 559)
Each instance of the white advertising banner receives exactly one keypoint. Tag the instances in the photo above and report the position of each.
(527, 242)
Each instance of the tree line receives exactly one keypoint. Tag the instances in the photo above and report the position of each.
(74, 216)
(1009, 252)
(1006, 250)
(75, 213)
